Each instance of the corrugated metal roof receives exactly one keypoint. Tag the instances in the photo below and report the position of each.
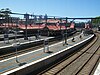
(50, 27)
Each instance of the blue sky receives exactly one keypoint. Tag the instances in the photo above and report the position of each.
(63, 8)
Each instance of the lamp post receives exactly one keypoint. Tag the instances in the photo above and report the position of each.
(35, 19)
(6, 36)
(66, 33)
(62, 32)
(16, 44)
(40, 19)
(46, 18)
(26, 16)
(60, 23)
(17, 21)
(73, 39)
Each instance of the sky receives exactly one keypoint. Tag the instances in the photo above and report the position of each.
(63, 8)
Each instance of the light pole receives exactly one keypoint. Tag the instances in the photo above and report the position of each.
(66, 33)
(62, 32)
(17, 21)
(73, 39)
(16, 44)
(6, 37)
(35, 21)
(26, 16)
(60, 23)
(46, 18)
(40, 19)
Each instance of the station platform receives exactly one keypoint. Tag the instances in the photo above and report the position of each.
(11, 36)
(22, 41)
(8, 47)
(10, 65)
(97, 71)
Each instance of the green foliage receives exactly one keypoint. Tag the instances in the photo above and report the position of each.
(96, 21)
(5, 12)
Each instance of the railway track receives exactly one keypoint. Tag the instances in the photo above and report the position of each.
(78, 63)
(5, 56)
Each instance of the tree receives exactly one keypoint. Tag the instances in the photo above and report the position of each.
(96, 21)
(5, 12)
